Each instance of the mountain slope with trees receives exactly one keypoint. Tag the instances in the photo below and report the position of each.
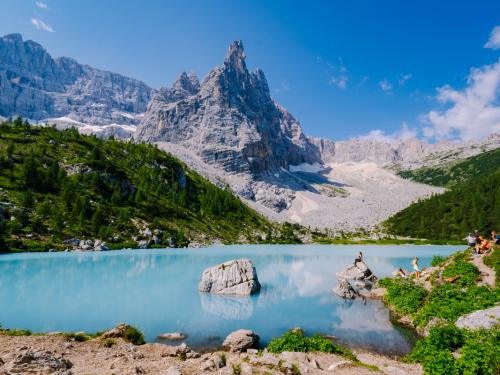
(61, 185)
(472, 203)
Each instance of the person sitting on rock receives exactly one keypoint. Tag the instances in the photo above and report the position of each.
(358, 259)
(401, 273)
(414, 263)
(495, 237)
(484, 246)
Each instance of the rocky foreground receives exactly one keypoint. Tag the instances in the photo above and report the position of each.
(54, 354)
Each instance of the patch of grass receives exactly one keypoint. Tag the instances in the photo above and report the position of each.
(16, 332)
(437, 260)
(236, 369)
(109, 342)
(461, 267)
(493, 261)
(403, 294)
(298, 342)
(78, 337)
(134, 335)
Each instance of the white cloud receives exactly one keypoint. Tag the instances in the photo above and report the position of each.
(494, 41)
(403, 78)
(284, 86)
(402, 134)
(40, 25)
(385, 85)
(473, 112)
(41, 4)
(339, 81)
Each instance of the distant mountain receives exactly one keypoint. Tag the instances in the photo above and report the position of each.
(38, 87)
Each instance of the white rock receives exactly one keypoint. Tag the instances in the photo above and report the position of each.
(488, 318)
(241, 340)
(233, 277)
(173, 371)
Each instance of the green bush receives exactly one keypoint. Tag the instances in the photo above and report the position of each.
(17, 332)
(467, 272)
(437, 260)
(134, 336)
(478, 352)
(298, 342)
(449, 301)
(403, 294)
(108, 343)
(493, 261)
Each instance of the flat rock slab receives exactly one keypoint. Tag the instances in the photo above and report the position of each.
(488, 318)
(236, 276)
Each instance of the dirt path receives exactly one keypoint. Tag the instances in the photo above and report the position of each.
(487, 274)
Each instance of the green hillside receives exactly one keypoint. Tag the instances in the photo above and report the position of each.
(59, 185)
(474, 204)
(456, 173)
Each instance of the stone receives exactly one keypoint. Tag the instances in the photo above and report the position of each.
(208, 365)
(219, 360)
(241, 340)
(173, 370)
(233, 277)
(294, 356)
(38, 361)
(252, 351)
(345, 290)
(338, 365)
(174, 336)
(487, 319)
(360, 271)
(116, 332)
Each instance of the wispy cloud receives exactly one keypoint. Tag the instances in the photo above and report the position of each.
(471, 113)
(41, 4)
(40, 25)
(337, 74)
(362, 81)
(385, 85)
(284, 86)
(403, 133)
(403, 78)
(494, 41)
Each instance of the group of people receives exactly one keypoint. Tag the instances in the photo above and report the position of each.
(480, 244)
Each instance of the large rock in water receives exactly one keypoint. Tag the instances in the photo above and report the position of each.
(345, 290)
(360, 271)
(236, 276)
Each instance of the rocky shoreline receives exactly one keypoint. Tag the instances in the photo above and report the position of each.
(63, 355)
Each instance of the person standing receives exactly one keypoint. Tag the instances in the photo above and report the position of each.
(358, 259)
(416, 267)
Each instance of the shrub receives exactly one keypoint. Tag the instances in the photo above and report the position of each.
(236, 369)
(493, 261)
(404, 294)
(134, 336)
(437, 260)
(17, 332)
(481, 353)
(467, 272)
(108, 343)
(298, 342)
(78, 337)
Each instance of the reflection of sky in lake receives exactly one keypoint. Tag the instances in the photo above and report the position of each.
(156, 290)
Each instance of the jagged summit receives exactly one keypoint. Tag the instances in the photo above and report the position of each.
(188, 82)
(235, 58)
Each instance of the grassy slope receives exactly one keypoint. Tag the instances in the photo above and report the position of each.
(478, 352)
(119, 188)
(473, 201)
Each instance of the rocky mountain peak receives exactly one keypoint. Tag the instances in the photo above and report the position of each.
(235, 58)
(188, 82)
(14, 37)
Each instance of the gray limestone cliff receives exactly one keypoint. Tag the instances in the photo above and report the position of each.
(36, 86)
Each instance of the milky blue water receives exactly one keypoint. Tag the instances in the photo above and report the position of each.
(156, 290)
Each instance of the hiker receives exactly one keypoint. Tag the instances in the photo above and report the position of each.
(358, 259)
(414, 263)
(484, 246)
(471, 241)
(495, 237)
(477, 238)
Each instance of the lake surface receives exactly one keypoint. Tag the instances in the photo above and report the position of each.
(156, 290)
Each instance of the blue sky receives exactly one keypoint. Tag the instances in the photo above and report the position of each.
(343, 68)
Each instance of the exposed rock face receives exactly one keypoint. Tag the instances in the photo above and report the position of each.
(488, 318)
(233, 277)
(34, 361)
(231, 122)
(36, 86)
(360, 271)
(345, 290)
(241, 340)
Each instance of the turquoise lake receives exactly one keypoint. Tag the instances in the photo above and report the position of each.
(156, 290)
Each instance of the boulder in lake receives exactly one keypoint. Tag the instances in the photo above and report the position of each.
(236, 276)
(174, 336)
(345, 290)
(241, 340)
(360, 271)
